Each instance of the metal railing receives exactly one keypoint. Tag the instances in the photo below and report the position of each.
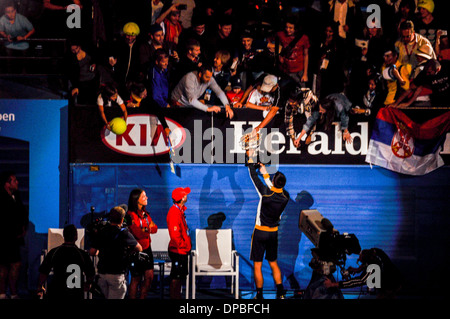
(44, 57)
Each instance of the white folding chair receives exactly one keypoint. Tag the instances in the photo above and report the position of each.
(55, 238)
(160, 244)
(214, 256)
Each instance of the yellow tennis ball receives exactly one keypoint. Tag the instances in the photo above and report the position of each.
(118, 125)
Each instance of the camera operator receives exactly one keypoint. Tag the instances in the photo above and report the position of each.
(323, 265)
(391, 279)
(113, 244)
(330, 253)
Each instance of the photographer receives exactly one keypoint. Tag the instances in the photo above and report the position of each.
(391, 279)
(323, 265)
(141, 226)
(113, 244)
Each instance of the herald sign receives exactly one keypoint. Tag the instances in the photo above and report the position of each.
(144, 136)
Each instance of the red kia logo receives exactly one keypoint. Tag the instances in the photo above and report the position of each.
(144, 136)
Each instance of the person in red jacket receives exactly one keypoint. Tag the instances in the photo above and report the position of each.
(294, 57)
(141, 225)
(180, 243)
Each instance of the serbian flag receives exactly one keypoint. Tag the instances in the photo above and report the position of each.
(401, 145)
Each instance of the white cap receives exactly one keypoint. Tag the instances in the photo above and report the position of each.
(269, 83)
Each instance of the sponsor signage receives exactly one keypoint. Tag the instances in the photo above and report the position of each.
(199, 137)
(144, 136)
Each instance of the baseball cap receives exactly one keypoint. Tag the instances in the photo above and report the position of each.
(236, 83)
(269, 82)
(179, 193)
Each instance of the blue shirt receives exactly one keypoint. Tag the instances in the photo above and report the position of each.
(20, 27)
(159, 83)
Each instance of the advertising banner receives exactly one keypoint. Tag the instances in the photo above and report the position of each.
(200, 137)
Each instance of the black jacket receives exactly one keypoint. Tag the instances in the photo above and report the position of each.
(272, 202)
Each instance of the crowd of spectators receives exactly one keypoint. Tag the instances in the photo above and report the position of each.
(211, 54)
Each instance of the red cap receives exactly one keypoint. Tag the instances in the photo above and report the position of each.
(179, 193)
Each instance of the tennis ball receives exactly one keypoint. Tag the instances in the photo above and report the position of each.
(118, 125)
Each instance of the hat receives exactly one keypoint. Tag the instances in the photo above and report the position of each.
(426, 4)
(155, 28)
(179, 193)
(236, 83)
(269, 82)
(246, 34)
(131, 28)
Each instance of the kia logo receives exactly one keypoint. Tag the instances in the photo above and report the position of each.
(144, 136)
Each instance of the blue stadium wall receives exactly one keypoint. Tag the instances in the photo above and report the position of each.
(406, 216)
(42, 169)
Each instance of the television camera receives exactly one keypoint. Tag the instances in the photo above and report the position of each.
(136, 260)
(331, 247)
(95, 222)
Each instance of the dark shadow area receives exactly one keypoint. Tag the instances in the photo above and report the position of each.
(216, 212)
(213, 249)
(290, 236)
(212, 198)
(425, 209)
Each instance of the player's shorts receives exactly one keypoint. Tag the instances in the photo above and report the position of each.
(264, 242)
